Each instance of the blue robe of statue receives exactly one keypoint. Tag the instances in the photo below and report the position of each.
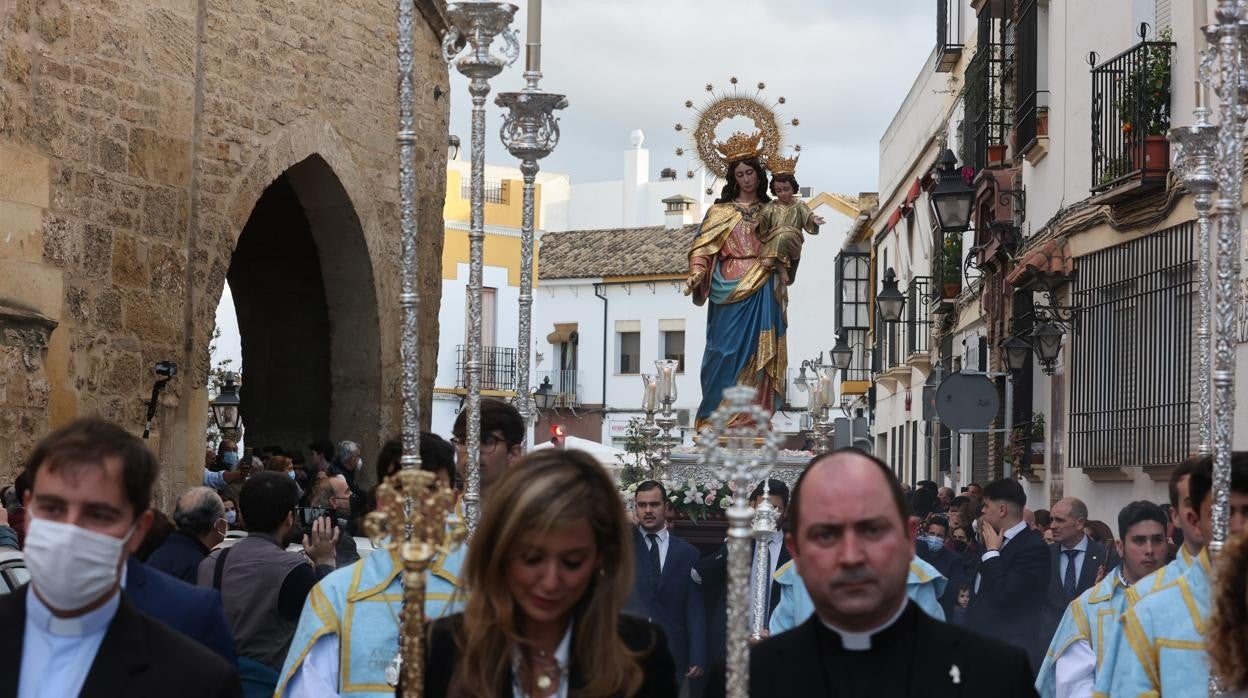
(1162, 650)
(1091, 618)
(924, 585)
(1158, 580)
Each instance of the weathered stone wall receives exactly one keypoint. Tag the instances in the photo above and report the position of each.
(136, 136)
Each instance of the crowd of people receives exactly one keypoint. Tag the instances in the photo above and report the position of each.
(256, 584)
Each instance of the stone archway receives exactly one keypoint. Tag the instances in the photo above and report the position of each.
(303, 286)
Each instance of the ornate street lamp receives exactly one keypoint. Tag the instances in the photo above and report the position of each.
(225, 406)
(890, 300)
(842, 354)
(452, 147)
(1017, 352)
(952, 198)
(545, 396)
(1047, 341)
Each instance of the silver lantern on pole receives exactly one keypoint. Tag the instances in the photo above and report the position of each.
(530, 132)
(468, 44)
(766, 523)
(739, 447)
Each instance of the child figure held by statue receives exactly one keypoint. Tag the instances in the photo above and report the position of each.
(782, 222)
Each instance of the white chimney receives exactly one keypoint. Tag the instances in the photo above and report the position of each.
(636, 176)
(678, 211)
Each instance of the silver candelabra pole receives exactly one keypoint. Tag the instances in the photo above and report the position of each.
(1197, 150)
(665, 420)
(474, 26)
(740, 454)
(766, 520)
(1228, 37)
(409, 298)
(530, 132)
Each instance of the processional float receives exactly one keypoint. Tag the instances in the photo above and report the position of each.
(1209, 159)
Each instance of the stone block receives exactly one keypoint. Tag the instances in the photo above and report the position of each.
(24, 176)
(167, 269)
(160, 158)
(151, 317)
(123, 373)
(165, 213)
(32, 285)
(108, 310)
(94, 251)
(129, 263)
(172, 48)
(21, 231)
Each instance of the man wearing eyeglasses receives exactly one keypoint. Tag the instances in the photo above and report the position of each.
(502, 439)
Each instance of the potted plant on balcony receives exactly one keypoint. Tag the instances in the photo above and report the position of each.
(951, 266)
(1144, 107)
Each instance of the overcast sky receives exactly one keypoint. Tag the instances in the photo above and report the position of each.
(843, 66)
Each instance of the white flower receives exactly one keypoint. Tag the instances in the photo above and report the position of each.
(725, 502)
(691, 496)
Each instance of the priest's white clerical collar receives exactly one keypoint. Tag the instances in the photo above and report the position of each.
(79, 626)
(861, 641)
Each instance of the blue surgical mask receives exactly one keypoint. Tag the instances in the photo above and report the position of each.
(291, 474)
(934, 543)
(231, 516)
(230, 459)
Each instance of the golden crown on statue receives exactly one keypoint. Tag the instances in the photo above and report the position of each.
(781, 165)
(740, 146)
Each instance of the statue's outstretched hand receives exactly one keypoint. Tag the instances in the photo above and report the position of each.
(818, 220)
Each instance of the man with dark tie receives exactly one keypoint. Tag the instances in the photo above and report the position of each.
(852, 538)
(664, 591)
(1077, 561)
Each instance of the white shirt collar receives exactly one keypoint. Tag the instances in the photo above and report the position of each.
(1013, 531)
(662, 535)
(861, 641)
(1081, 546)
(86, 624)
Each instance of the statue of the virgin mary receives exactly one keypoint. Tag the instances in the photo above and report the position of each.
(746, 323)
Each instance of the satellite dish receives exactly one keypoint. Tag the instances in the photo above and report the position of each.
(967, 401)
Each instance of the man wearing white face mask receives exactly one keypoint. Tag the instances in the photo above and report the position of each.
(71, 631)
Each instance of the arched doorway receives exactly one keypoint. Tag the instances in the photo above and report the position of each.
(303, 289)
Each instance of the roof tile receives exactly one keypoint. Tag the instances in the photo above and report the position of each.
(578, 254)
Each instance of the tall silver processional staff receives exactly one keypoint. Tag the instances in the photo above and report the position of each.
(1213, 156)
(740, 453)
(530, 132)
(469, 46)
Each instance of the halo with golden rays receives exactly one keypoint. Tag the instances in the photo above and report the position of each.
(736, 100)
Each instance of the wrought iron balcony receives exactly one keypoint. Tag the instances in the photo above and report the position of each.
(1130, 118)
(948, 50)
(498, 368)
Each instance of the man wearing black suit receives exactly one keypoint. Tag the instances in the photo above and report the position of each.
(1077, 561)
(1013, 576)
(852, 540)
(664, 591)
(71, 632)
(711, 573)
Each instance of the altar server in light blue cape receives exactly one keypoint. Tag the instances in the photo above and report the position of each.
(348, 632)
(1162, 651)
(1075, 654)
(1193, 542)
(924, 585)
